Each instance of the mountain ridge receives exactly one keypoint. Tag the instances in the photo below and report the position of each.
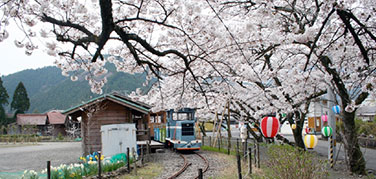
(48, 89)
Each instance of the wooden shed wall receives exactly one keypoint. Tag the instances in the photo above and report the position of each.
(112, 113)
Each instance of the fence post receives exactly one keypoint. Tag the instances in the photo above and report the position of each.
(239, 166)
(219, 144)
(200, 173)
(128, 162)
(237, 145)
(203, 141)
(245, 148)
(228, 145)
(148, 147)
(258, 155)
(149, 136)
(142, 155)
(99, 165)
(134, 161)
(254, 152)
(250, 160)
(48, 169)
(210, 141)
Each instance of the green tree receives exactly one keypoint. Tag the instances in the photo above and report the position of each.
(20, 102)
(3, 101)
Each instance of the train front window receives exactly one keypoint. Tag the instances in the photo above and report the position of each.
(182, 116)
(187, 129)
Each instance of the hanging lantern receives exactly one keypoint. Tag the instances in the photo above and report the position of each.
(336, 109)
(327, 131)
(310, 141)
(324, 118)
(293, 126)
(269, 127)
(307, 130)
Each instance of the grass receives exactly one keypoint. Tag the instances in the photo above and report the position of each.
(151, 170)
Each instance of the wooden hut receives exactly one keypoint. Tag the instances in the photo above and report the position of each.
(37, 121)
(104, 110)
(56, 121)
(156, 119)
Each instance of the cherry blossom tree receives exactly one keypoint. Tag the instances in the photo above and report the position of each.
(266, 56)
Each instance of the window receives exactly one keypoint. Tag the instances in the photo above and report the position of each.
(182, 116)
(187, 129)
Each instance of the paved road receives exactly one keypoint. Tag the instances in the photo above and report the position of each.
(16, 158)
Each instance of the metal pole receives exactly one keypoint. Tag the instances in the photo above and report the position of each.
(239, 166)
(48, 169)
(99, 166)
(250, 160)
(332, 124)
(258, 155)
(128, 162)
(200, 173)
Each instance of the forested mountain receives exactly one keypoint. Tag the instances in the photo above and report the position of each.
(48, 89)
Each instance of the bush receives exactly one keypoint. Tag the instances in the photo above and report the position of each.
(60, 136)
(287, 162)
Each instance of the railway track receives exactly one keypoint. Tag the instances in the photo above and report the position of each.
(187, 164)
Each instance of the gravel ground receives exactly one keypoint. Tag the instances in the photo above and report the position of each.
(20, 157)
(172, 162)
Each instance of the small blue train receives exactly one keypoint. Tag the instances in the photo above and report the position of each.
(179, 130)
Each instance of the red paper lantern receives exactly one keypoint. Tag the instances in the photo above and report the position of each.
(324, 118)
(269, 127)
(307, 130)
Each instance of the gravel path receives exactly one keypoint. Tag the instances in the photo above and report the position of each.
(172, 162)
(20, 157)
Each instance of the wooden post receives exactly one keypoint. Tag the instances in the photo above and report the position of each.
(128, 162)
(149, 132)
(48, 169)
(219, 143)
(254, 152)
(99, 165)
(148, 147)
(134, 161)
(142, 155)
(258, 155)
(250, 160)
(200, 173)
(245, 146)
(203, 141)
(228, 147)
(239, 166)
(210, 141)
(237, 145)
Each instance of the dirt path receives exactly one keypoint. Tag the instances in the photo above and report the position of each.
(20, 157)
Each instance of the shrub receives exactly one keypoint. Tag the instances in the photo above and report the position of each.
(60, 136)
(287, 162)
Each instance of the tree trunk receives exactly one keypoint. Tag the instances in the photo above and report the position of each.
(355, 155)
(298, 137)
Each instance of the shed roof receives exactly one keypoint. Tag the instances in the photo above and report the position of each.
(117, 98)
(31, 119)
(55, 117)
(366, 110)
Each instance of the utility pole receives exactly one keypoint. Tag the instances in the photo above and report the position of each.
(332, 124)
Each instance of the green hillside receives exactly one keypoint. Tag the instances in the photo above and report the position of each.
(48, 89)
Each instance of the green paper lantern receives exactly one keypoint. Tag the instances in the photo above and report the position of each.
(327, 131)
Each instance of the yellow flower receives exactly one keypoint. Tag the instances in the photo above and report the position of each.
(91, 158)
(102, 157)
(72, 175)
